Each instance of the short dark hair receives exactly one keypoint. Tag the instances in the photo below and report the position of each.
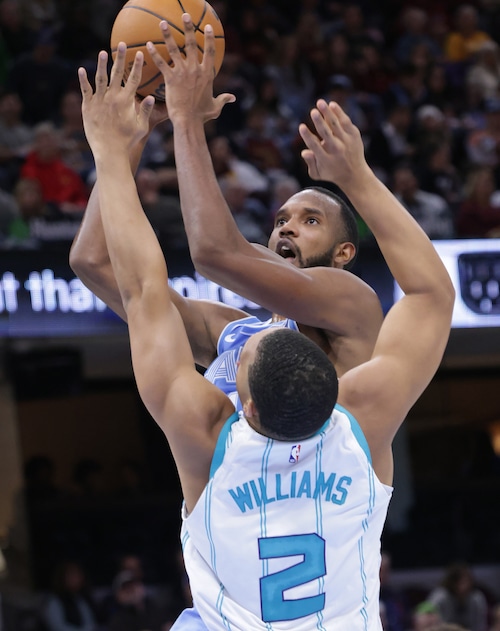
(347, 217)
(293, 384)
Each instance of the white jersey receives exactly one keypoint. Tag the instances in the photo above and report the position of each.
(287, 535)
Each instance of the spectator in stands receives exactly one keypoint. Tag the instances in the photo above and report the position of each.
(16, 139)
(483, 145)
(266, 139)
(353, 25)
(483, 76)
(340, 90)
(30, 205)
(438, 174)
(430, 128)
(439, 89)
(269, 131)
(431, 211)
(390, 143)
(463, 42)
(163, 212)
(293, 76)
(414, 22)
(40, 78)
(282, 189)
(408, 88)
(425, 616)
(337, 59)
(371, 77)
(459, 601)
(134, 610)
(479, 212)
(250, 214)
(69, 605)
(16, 34)
(229, 167)
(394, 604)
(39, 14)
(61, 186)
(75, 150)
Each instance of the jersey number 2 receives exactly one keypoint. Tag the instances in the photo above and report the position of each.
(272, 587)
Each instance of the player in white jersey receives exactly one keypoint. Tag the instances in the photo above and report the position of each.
(306, 515)
(294, 568)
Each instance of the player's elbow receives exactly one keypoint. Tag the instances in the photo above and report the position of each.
(207, 261)
(86, 263)
(442, 300)
(448, 295)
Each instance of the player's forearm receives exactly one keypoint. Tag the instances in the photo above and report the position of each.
(210, 227)
(407, 250)
(89, 253)
(133, 249)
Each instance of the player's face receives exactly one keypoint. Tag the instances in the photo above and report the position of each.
(306, 230)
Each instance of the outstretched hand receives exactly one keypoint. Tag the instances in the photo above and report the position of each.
(112, 119)
(335, 153)
(189, 83)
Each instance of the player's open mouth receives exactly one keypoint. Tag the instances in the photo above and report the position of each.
(285, 249)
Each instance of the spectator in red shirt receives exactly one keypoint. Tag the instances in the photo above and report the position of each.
(61, 186)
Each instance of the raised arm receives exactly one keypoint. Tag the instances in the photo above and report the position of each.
(414, 334)
(219, 251)
(162, 359)
(89, 259)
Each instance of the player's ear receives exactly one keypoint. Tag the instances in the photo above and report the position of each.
(249, 409)
(344, 253)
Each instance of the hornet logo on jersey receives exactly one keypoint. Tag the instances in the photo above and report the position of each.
(294, 454)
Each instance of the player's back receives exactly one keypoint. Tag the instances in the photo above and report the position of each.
(287, 535)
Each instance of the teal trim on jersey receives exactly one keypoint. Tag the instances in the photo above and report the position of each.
(319, 526)
(220, 447)
(357, 431)
(323, 427)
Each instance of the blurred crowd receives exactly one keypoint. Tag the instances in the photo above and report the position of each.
(420, 79)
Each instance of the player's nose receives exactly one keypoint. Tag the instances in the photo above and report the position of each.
(289, 228)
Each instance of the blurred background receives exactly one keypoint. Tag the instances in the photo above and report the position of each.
(89, 495)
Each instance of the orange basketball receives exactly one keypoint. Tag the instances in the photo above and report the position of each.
(139, 22)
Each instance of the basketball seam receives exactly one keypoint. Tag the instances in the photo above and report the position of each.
(156, 15)
(196, 26)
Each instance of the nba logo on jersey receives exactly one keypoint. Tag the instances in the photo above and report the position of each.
(294, 454)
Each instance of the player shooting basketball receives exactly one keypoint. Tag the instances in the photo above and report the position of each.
(306, 530)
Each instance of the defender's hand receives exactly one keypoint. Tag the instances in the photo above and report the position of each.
(335, 153)
(111, 119)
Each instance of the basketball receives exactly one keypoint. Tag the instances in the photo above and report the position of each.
(139, 22)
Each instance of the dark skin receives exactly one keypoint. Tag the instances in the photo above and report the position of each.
(337, 310)
(379, 393)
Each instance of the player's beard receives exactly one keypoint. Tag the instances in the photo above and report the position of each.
(320, 260)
